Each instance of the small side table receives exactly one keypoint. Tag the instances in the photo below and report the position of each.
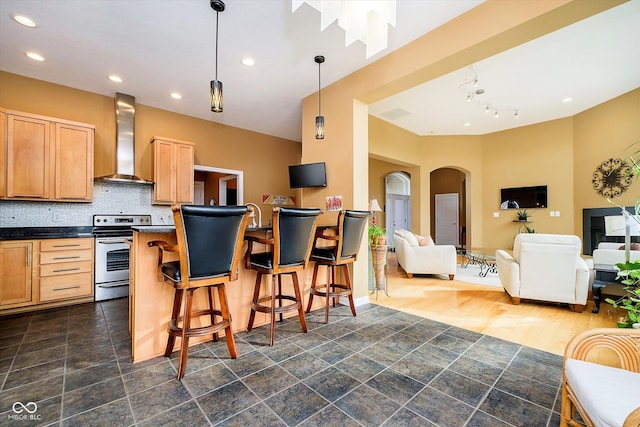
(605, 274)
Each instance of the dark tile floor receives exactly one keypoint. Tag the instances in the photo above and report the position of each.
(381, 368)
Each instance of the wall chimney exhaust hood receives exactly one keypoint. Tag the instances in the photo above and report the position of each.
(125, 144)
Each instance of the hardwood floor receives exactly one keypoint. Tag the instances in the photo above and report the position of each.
(489, 310)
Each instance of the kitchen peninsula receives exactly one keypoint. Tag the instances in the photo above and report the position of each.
(150, 300)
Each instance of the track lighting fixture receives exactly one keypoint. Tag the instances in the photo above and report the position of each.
(471, 87)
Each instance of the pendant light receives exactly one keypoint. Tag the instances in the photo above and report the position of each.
(216, 85)
(319, 118)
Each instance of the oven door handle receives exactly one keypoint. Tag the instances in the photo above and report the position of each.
(111, 242)
(114, 284)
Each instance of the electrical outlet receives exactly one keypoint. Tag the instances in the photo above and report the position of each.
(496, 214)
(56, 217)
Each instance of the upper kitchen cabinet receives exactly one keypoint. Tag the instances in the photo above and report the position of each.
(45, 158)
(173, 163)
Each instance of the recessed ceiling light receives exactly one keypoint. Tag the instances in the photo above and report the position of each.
(176, 95)
(249, 62)
(115, 78)
(24, 20)
(467, 124)
(35, 56)
(567, 99)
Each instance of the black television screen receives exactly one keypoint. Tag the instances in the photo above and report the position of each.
(308, 175)
(523, 197)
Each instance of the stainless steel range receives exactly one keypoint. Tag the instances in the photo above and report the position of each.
(112, 233)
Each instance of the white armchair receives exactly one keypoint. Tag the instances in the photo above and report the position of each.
(430, 259)
(545, 267)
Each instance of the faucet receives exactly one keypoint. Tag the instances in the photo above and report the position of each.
(253, 216)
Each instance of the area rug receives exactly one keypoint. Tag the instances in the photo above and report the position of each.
(471, 274)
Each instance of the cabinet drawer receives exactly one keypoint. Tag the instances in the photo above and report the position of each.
(65, 286)
(65, 244)
(65, 256)
(66, 268)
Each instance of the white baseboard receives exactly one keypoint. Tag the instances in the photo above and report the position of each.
(356, 301)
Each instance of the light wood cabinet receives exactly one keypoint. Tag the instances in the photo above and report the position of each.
(16, 274)
(46, 159)
(66, 269)
(173, 163)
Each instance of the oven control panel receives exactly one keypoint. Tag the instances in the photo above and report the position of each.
(121, 220)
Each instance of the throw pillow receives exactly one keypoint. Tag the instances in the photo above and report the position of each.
(425, 241)
(411, 238)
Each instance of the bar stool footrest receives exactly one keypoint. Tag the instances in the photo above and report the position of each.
(284, 309)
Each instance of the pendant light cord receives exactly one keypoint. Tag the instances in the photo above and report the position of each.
(217, 14)
(319, 92)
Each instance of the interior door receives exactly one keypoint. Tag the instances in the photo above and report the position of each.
(447, 214)
(198, 193)
(398, 215)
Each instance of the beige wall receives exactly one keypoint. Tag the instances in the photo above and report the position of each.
(216, 145)
(540, 154)
(600, 133)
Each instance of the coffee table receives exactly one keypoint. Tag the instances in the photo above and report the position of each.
(485, 258)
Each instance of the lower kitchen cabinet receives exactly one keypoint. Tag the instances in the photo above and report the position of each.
(38, 274)
(66, 269)
(16, 274)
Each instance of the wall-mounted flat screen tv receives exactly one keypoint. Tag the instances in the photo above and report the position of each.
(308, 175)
(523, 197)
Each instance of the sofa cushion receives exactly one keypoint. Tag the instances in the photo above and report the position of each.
(608, 395)
(411, 238)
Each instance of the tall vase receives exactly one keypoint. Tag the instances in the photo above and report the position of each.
(379, 261)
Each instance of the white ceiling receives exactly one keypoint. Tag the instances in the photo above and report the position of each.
(162, 46)
(592, 61)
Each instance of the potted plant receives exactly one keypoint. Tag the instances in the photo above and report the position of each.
(629, 303)
(377, 235)
(523, 215)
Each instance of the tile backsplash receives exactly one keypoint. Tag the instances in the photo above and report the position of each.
(108, 198)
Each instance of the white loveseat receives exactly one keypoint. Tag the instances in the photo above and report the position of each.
(429, 259)
(545, 267)
(609, 253)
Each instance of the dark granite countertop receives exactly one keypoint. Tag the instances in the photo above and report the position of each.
(28, 233)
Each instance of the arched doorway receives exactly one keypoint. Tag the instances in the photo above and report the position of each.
(447, 184)
(398, 203)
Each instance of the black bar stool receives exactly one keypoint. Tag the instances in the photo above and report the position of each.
(210, 240)
(350, 229)
(290, 248)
